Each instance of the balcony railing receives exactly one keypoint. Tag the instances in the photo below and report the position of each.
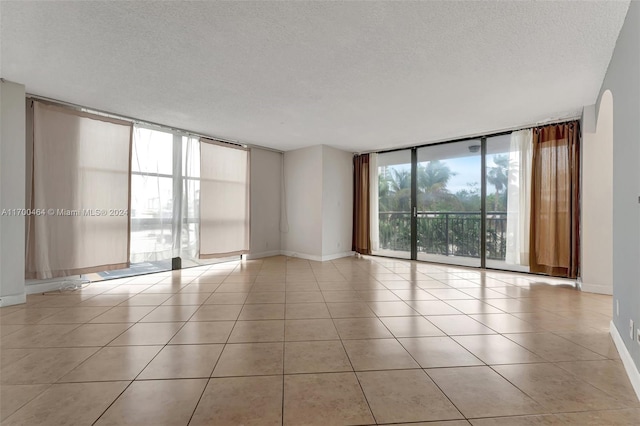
(445, 233)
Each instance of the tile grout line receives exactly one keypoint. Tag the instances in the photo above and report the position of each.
(348, 280)
(420, 366)
(353, 370)
(204, 389)
(132, 381)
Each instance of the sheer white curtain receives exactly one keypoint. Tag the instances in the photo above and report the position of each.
(80, 178)
(190, 197)
(224, 199)
(519, 197)
(373, 200)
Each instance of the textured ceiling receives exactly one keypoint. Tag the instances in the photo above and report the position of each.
(354, 75)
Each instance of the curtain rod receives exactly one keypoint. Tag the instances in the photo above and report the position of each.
(143, 122)
(502, 132)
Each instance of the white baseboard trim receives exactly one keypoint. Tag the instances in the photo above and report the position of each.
(15, 299)
(251, 256)
(316, 257)
(301, 255)
(338, 255)
(627, 361)
(595, 288)
(35, 286)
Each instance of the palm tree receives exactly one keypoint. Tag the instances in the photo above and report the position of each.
(497, 176)
(401, 188)
(394, 192)
(394, 186)
(432, 183)
(434, 176)
(384, 191)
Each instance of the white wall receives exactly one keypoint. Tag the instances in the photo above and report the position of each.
(302, 227)
(12, 192)
(623, 80)
(597, 198)
(266, 185)
(337, 202)
(318, 193)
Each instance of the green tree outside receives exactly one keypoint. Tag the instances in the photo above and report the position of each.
(440, 233)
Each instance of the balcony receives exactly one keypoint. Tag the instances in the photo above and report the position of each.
(444, 233)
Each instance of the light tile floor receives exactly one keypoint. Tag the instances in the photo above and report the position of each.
(355, 341)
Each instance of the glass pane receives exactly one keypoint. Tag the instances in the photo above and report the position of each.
(151, 218)
(190, 230)
(498, 175)
(190, 219)
(152, 151)
(448, 200)
(394, 204)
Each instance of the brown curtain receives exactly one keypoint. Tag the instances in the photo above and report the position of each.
(555, 200)
(361, 219)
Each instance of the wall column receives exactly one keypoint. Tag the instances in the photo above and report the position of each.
(12, 193)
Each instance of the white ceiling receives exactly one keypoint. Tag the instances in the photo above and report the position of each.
(355, 75)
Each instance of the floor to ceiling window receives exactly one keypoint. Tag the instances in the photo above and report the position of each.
(165, 199)
(152, 186)
(448, 203)
(146, 202)
(394, 205)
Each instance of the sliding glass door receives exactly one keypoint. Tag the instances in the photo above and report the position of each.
(448, 203)
(391, 215)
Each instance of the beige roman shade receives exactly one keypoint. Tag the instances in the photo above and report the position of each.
(80, 177)
(224, 199)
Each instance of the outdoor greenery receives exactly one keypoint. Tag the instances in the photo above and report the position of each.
(448, 223)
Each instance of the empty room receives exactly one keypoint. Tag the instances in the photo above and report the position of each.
(320, 213)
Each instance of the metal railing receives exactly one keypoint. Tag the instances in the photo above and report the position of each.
(445, 233)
